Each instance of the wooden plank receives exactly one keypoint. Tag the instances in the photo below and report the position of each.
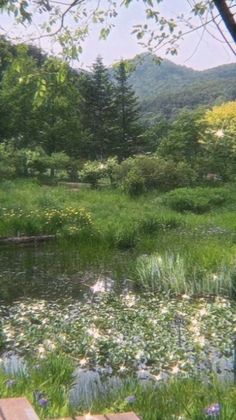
(16, 409)
(91, 417)
(118, 416)
(122, 416)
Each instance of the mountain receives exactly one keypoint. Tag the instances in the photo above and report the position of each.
(167, 88)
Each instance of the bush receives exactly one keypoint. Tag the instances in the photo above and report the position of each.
(151, 224)
(149, 172)
(197, 200)
(92, 172)
(134, 183)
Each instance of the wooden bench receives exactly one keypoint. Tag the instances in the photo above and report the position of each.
(20, 409)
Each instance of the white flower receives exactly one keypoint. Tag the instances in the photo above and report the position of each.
(175, 369)
(83, 361)
(201, 340)
(163, 311)
(203, 312)
(219, 133)
(94, 332)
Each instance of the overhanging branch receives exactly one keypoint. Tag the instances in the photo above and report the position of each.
(227, 16)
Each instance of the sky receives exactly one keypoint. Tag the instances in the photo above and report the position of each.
(198, 51)
(121, 44)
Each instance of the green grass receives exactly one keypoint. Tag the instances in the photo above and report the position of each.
(206, 243)
(52, 378)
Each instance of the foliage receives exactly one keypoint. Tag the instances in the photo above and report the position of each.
(93, 171)
(122, 332)
(197, 200)
(188, 397)
(7, 167)
(218, 138)
(67, 221)
(182, 140)
(172, 274)
(128, 131)
(134, 183)
(46, 384)
(98, 110)
(150, 172)
(158, 30)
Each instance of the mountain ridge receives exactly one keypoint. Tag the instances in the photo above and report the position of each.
(166, 88)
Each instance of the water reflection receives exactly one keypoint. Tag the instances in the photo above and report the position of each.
(59, 271)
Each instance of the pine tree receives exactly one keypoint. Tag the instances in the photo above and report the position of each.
(127, 115)
(97, 111)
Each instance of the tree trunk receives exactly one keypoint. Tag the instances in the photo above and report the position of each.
(227, 17)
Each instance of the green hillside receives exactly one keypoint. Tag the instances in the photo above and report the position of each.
(166, 88)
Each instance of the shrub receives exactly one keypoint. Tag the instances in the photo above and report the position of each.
(197, 200)
(134, 183)
(151, 224)
(149, 172)
(69, 221)
(92, 172)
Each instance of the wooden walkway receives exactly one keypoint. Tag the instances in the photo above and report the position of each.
(20, 409)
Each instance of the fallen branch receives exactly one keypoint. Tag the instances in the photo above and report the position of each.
(27, 239)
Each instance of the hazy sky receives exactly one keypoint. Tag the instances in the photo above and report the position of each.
(209, 52)
(121, 44)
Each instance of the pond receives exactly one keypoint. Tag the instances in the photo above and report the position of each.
(60, 270)
(80, 301)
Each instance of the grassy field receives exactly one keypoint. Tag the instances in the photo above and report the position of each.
(112, 209)
(202, 238)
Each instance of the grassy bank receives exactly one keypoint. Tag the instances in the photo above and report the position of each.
(51, 384)
(192, 228)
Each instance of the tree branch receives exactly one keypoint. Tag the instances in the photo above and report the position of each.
(227, 17)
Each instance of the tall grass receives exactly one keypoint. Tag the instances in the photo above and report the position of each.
(48, 385)
(172, 274)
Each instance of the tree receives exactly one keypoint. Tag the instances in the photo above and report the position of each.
(181, 142)
(18, 87)
(127, 115)
(56, 108)
(57, 21)
(218, 139)
(97, 111)
(39, 104)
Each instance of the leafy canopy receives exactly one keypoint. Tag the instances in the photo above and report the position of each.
(68, 22)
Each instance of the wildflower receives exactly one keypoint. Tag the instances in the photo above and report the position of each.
(131, 399)
(83, 362)
(175, 369)
(213, 410)
(43, 402)
(185, 296)
(219, 133)
(203, 312)
(10, 383)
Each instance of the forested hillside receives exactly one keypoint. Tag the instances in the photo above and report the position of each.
(166, 88)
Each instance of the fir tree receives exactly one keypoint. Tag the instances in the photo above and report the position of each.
(127, 115)
(97, 111)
